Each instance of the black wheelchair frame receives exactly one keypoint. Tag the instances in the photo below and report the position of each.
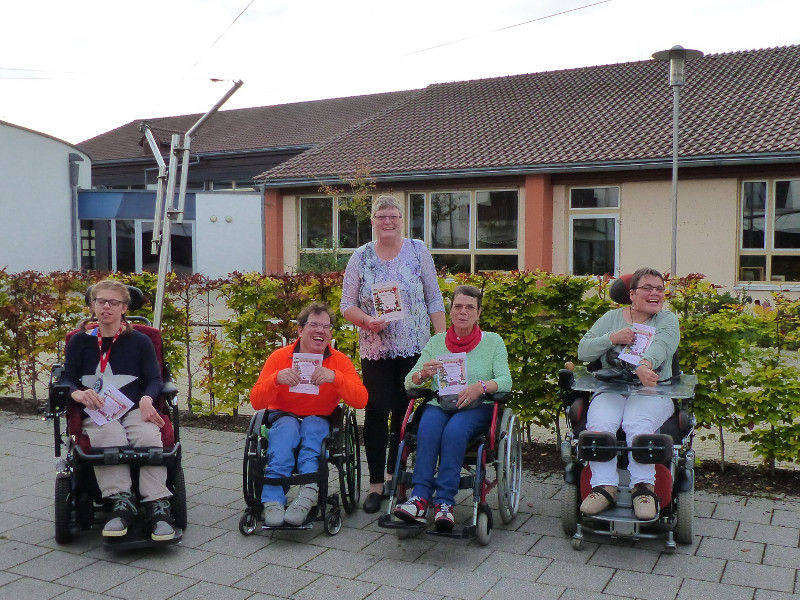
(341, 448)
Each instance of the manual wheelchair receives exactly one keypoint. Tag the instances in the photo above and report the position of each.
(500, 447)
(341, 448)
(78, 501)
(669, 449)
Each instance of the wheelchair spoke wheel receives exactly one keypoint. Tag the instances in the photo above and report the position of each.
(251, 462)
(570, 506)
(63, 510)
(509, 466)
(684, 528)
(350, 469)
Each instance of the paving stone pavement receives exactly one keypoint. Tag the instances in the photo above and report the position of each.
(745, 548)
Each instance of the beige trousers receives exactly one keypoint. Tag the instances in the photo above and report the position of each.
(131, 430)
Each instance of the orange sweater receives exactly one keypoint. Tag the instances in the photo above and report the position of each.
(347, 385)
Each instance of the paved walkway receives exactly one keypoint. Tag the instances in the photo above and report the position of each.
(744, 548)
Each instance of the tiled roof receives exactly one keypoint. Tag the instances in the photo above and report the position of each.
(734, 103)
(297, 124)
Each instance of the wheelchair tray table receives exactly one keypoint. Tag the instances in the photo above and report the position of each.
(681, 388)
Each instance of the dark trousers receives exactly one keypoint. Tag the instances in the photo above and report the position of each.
(384, 380)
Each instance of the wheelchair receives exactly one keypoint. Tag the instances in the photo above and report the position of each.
(669, 449)
(500, 447)
(78, 501)
(341, 448)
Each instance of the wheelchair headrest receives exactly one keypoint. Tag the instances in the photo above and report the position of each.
(137, 297)
(620, 290)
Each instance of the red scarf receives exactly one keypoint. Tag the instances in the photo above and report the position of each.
(462, 344)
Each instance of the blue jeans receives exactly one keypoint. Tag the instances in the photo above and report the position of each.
(285, 435)
(444, 437)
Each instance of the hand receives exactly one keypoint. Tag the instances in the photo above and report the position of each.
(288, 377)
(469, 395)
(374, 324)
(429, 369)
(148, 411)
(89, 398)
(647, 376)
(322, 375)
(623, 337)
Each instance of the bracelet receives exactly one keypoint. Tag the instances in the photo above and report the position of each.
(483, 385)
(642, 364)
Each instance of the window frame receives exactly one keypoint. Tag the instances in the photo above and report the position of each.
(593, 212)
(768, 251)
(335, 224)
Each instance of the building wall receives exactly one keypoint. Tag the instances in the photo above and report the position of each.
(36, 200)
(229, 233)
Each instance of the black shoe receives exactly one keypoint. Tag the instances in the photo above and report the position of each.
(122, 515)
(373, 502)
(161, 528)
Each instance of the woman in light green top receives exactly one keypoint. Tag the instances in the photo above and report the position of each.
(443, 434)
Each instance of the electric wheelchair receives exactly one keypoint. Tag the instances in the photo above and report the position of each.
(669, 449)
(341, 448)
(78, 502)
(500, 447)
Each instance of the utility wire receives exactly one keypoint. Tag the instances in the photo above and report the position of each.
(563, 12)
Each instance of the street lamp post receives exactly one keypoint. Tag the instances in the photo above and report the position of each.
(677, 57)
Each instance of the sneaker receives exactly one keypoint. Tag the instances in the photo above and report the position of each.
(273, 514)
(444, 517)
(122, 515)
(161, 528)
(299, 508)
(413, 510)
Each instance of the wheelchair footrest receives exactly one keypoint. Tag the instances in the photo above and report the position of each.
(137, 539)
(390, 522)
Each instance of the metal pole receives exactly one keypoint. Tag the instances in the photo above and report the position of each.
(676, 92)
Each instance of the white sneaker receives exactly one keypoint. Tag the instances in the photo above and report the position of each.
(273, 514)
(298, 510)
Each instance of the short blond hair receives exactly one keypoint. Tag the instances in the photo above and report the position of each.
(382, 202)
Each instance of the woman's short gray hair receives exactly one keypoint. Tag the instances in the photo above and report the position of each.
(382, 202)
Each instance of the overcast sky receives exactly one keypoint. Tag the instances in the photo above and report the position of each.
(77, 69)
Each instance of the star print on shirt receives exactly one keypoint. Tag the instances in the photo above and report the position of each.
(108, 378)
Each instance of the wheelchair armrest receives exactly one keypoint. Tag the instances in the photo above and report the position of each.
(169, 391)
(566, 378)
(499, 397)
(58, 393)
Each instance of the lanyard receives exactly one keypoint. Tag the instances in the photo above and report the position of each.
(104, 357)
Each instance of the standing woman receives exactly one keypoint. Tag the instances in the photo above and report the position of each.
(389, 349)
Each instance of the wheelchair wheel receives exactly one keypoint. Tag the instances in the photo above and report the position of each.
(684, 533)
(63, 510)
(333, 522)
(509, 467)
(179, 499)
(250, 463)
(570, 506)
(483, 531)
(248, 523)
(350, 469)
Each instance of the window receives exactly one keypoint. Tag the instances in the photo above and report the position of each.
(769, 240)
(468, 231)
(125, 245)
(324, 219)
(594, 231)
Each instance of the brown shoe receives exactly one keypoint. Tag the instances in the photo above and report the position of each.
(600, 498)
(645, 501)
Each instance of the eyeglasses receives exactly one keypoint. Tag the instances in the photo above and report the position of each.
(107, 302)
(314, 325)
(466, 307)
(385, 218)
(652, 288)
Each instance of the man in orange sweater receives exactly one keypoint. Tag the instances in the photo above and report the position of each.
(297, 417)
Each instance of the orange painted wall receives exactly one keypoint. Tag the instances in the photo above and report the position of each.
(538, 229)
(273, 231)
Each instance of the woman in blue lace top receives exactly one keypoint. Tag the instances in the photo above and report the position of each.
(398, 273)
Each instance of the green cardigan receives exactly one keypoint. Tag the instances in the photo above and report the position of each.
(488, 361)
